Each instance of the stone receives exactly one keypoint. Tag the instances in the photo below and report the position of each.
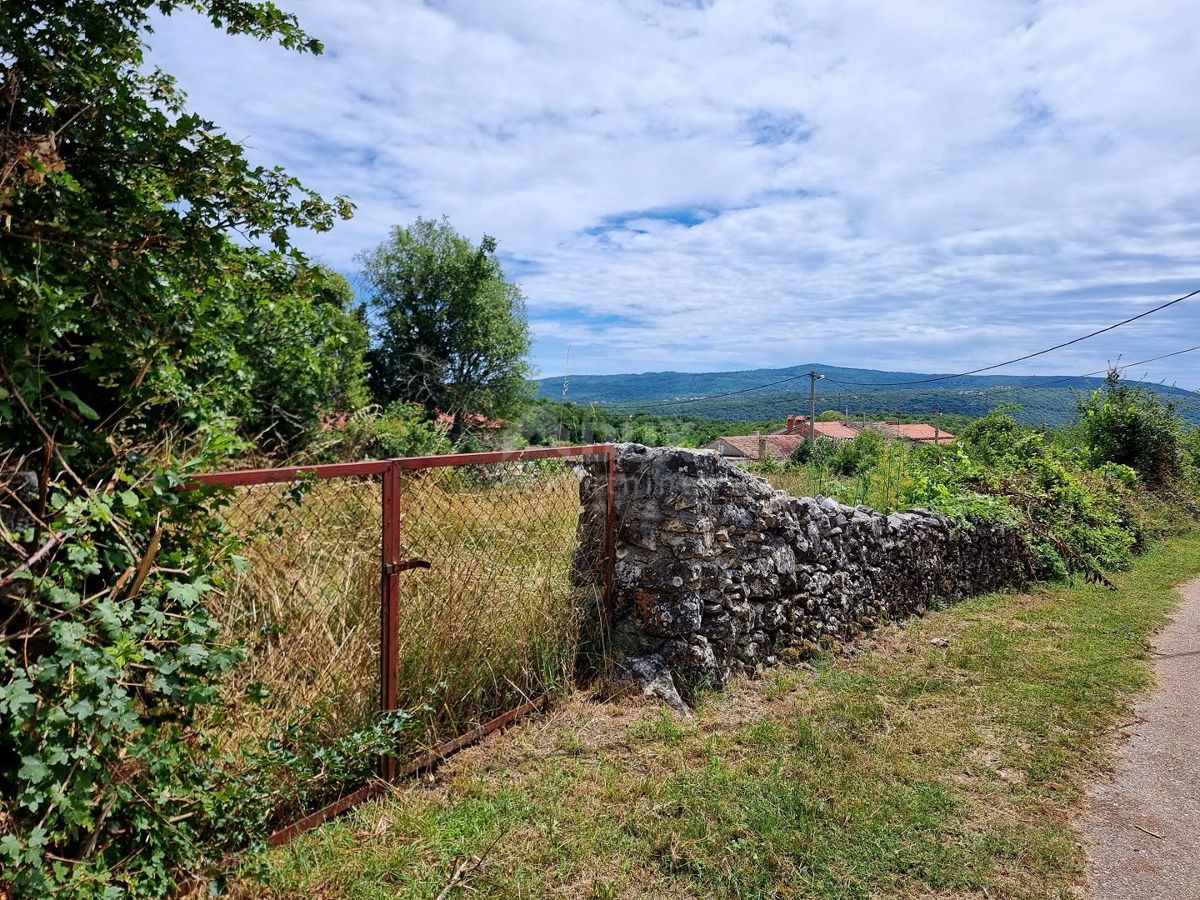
(715, 571)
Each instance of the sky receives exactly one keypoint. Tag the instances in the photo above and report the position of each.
(703, 186)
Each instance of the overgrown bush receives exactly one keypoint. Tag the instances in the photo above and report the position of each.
(137, 340)
(1128, 424)
(1075, 517)
(400, 430)
(1078, 509)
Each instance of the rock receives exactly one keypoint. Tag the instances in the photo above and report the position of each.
(717, 573)
(652, 675)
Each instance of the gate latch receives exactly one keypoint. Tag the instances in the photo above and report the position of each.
(404, 564)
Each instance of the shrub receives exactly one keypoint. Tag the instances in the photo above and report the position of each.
(1128, 424)
(125, 365)
(855, 456)
(400, 430)
(843, 458)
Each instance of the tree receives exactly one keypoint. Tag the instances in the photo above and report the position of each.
(452, 335)
(124, 365)
(1131, 425)
(304, 347)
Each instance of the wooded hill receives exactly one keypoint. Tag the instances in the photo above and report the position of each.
(1044, 399)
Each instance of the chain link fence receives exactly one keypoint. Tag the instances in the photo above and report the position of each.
(390, 610)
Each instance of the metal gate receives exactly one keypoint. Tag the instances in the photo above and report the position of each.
(409, 606)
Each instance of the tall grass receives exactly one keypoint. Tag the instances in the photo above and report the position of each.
(493, 621)
(880, 484)
(304, 604)
(495, 618)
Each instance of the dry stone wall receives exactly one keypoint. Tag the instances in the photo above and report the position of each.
(718, 573)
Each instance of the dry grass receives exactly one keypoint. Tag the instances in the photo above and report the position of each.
(880, 487)
(493, 621)
(495, 618)
(305, 604)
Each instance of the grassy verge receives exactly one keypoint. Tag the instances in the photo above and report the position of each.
(948, 758)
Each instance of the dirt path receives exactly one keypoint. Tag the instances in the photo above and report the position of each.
(1143, 827)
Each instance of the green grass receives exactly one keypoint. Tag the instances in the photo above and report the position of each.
(948, 759)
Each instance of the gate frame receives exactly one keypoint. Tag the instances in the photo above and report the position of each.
(391, 565)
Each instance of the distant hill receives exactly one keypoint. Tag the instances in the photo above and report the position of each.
(1045, 399)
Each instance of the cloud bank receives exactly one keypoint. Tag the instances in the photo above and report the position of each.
(746, 183)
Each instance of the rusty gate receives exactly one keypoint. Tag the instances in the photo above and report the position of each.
(408, 606)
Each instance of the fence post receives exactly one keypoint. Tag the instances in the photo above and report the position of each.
(610, 516)
(389, 604)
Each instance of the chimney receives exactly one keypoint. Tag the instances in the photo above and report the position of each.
(762, 446)
(791, 421)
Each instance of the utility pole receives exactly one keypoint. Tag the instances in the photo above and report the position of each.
(937, 424)
(812, 405)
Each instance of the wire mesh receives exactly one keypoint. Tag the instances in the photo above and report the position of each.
(302, 600)
(496, 566)
(497, 617)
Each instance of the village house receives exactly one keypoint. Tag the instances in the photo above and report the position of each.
(779, 445)
(916, 432)
(756, 447)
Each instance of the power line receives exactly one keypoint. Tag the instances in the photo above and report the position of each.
(644, 406)
(1121, 368)
(633, 406)
(1140, 362)
(868, 399)
(1018, 359)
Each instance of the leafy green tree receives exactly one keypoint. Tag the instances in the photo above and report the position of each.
(452, 335)
(1133, 426)
(125, 362)
(304, 346)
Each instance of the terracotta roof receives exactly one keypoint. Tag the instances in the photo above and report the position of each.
(475, 421)
(920, 432)
(779, 446)
(837, 431)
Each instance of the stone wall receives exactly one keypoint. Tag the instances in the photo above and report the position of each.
(717, 573)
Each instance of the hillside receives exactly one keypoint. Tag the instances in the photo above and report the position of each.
(1044, 399)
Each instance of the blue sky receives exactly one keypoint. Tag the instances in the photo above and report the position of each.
(742, 183)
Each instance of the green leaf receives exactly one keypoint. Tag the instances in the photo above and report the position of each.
(16, 695)
(84, 410)
(10, 848)
(32, 770)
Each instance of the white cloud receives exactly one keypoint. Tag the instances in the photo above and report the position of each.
(922, 186)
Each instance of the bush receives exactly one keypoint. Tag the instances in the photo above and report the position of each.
(1077, 513)
(129, 358)
(104, 781)
(1128, 424)
(843, 458)
(400, 430)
